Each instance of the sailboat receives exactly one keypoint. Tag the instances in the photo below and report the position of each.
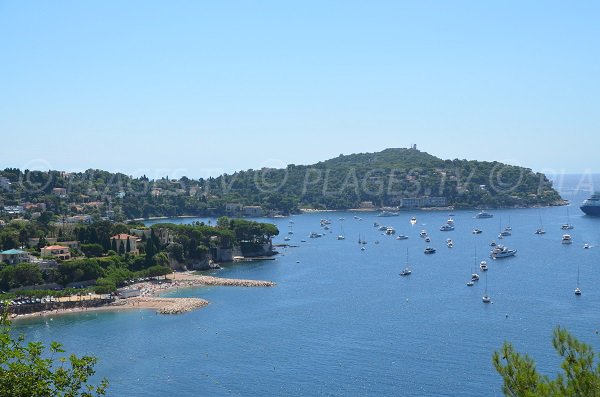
(577, 290)
(341, 236)
(474, 276)
(361, 241)
(406, 271)
(540, 229)
(567, 226)
(486, 298)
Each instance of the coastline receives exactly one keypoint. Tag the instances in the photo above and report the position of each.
(150, 298)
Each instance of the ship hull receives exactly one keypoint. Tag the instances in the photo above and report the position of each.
(591, 210)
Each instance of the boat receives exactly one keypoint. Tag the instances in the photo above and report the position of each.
(577, 289)
(387, 214)
(286, 238)
(505, 233)
(413, 220)
(486, 298)
(429, 250)
(361, 241)
(567, 226)
(483, 215)
(477, 231)
(501, 251)
(315, 235)
(423, 234)
(483, 266)
(540, 230)
(586, 246)
(382, 228)
(566, 239)
(390, 230)
(591, 206)
(375, 224)
(449, 243)
(492, 243)
(402, 237)
(406, 271)
(446, 228)
(362, 248)
(427, 239)
(450, 221)
(474, 276)
(342, 236)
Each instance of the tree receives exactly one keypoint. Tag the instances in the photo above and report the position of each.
(580, 377)
(121, 248)
(92, 250)
(26, 369)
(128, 246)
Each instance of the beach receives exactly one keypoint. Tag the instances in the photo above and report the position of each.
(149, 295)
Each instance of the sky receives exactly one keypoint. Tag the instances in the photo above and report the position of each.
(198, 88)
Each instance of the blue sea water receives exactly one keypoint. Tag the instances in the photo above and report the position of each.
(341, 321)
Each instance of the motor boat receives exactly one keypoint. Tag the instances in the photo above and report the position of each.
(567, 239)
(501, 251)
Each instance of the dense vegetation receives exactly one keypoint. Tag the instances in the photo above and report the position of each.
(98, 259)
(386, 177)
(580, 373)
(343, 182)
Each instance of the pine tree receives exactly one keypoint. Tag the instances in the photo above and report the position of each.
(128, 247)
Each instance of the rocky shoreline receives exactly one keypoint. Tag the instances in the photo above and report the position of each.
(149, 296)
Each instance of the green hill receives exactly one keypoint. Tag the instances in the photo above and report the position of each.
(387, 179)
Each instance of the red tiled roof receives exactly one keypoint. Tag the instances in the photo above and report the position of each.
(55, 247)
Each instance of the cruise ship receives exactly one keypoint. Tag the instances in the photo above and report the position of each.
(591, 206)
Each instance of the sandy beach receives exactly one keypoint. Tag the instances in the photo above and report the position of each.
(150, 291)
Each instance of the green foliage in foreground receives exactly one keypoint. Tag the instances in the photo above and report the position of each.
(31, 369)
(580, 376)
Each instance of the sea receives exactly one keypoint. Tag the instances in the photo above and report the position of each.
(342, 322)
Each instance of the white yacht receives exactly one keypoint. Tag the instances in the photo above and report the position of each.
(483, 266)
(567, 239)
(477, 231)
(413, 220)
(429, 250)
(502, 252)
(390, 230)
(483, 215)
(446, 228)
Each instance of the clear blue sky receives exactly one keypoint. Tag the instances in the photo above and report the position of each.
(202, 87)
